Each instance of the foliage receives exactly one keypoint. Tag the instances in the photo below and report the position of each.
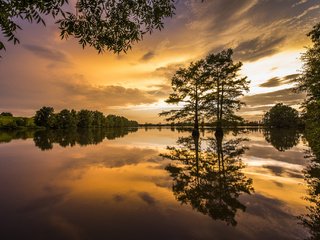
(8, 122)
(209, 89)
(189, 89)
(67, 119)
(225, 86)
(309, 79)
(281, 116)
(44, 117)
(103, 24)
(6, 114)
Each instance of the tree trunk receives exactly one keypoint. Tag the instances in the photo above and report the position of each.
(195, 131)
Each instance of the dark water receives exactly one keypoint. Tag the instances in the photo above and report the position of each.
(153, 184)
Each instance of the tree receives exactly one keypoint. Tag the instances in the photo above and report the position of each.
(225, 86)
(85, 118)
(112, 25)
(189, 90)
(6, 114)
(66, 119)
(309, 81)
(281, 116)
(44, 117)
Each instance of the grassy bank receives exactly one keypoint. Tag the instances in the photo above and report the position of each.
(9, 122)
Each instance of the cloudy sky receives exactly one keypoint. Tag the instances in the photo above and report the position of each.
(268, 36)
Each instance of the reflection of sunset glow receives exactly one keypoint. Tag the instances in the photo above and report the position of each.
(124, 179)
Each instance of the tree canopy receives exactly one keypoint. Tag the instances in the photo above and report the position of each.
(189, 89)
(309, 79)
(209, 88)
(112, 25)
(281, 116)
(66, 119)
(225, 86)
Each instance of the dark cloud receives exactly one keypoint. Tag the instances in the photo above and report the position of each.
(276, 23)
(169, 70)
(276, 81)
(109, 95)
(162, 91)
(47, 53)
(258, 47)
(146, 197)
(286, 96)
(148, 56)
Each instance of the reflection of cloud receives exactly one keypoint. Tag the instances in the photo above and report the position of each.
(276, 81)
(281, 171)
(146, 197)
(47, 53)
(43, 202)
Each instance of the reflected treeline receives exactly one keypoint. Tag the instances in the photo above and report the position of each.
(207, 175)
(311, 220)
(281, 138)
(46, 138)
(7, 136)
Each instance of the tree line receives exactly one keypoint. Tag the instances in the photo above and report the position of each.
(65, 119)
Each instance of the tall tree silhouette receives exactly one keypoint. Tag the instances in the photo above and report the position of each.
(209, 179)
(225, 86)
(189, 91)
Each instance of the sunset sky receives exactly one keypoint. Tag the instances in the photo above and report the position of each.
(268, 36)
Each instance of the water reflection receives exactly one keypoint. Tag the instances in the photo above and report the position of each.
(207, 175)
(282, 139)
(46, 138)
(311, 220)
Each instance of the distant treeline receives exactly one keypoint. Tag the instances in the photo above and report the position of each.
(203, 124)
(45, 117)
(65, 119)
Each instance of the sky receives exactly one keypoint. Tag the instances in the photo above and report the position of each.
(268, 37)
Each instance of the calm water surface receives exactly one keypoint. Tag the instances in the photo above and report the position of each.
(152, 184)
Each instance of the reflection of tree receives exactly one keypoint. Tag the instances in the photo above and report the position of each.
(282, 139)
(45, 139)
(209, 179)
(9, 135)
(311, 220)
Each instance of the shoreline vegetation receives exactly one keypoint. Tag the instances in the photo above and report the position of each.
(46, 118)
